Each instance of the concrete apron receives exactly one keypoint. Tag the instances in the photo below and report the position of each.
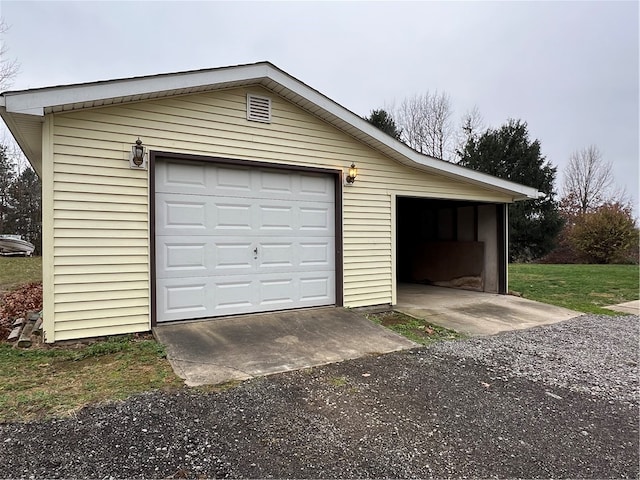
(476, 313)
(215, 351)
(632, 307)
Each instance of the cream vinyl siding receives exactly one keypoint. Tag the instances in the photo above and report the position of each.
(101, 275)
(100, 282)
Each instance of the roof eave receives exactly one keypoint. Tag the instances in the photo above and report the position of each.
(27, 131)
(35, 101)
(34, 104)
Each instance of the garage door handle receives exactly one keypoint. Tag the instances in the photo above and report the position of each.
(255, 252)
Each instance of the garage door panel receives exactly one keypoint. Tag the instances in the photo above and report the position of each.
(278, 292)
(318, 219)
(316, 188)
(295, 254)
(205, 215)
(186, 215)
(299, 289)
(233, 293)
(183, 256)
(184, 298)
(276, 254)
(279, 217)
(207, 297)
(179, 256)
(276, 217)
(317, 253)
(240, 240)
(274, 182)
(195, 177)
(317, 288)
(176, 212)
(182, 175)
(230, 181)
(231, 256)
(232, 215)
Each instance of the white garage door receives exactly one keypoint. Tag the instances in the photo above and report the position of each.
(235, 240)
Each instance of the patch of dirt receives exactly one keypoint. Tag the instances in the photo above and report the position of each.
(388, 319)
(602, 295)
(413, 327)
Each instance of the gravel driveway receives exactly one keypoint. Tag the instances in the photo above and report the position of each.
(554, 401)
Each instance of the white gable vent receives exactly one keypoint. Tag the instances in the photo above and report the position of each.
(258, 108)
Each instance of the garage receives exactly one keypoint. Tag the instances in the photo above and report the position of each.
(239, 238)
(236, 190)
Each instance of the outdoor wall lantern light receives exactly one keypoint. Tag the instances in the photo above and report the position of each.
(353, 173)
(138, 155)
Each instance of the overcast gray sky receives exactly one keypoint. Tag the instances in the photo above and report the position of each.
(569, 69)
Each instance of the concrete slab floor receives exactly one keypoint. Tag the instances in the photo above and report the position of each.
(219, 350)
(476, 313)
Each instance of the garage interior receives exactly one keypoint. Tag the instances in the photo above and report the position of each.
(451, 243)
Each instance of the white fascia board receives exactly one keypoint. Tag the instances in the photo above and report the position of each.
(33, 102)
(521, 192)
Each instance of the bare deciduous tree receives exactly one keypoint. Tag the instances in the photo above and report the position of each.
(425, 121)
(13, 152)
(472, 125)
(8, 66)
(588, 180)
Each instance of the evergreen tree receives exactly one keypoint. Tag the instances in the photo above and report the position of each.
(25, 215)
(383, 120)
(508, 153)
(7, 176)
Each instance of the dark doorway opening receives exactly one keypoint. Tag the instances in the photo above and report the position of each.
(451, 243)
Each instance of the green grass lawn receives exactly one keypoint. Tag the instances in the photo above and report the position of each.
(585, 288)
(15, 271)
(51, 382)
(45, 381)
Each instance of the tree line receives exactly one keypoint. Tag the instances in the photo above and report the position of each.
(589, 222)
(20, 199)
